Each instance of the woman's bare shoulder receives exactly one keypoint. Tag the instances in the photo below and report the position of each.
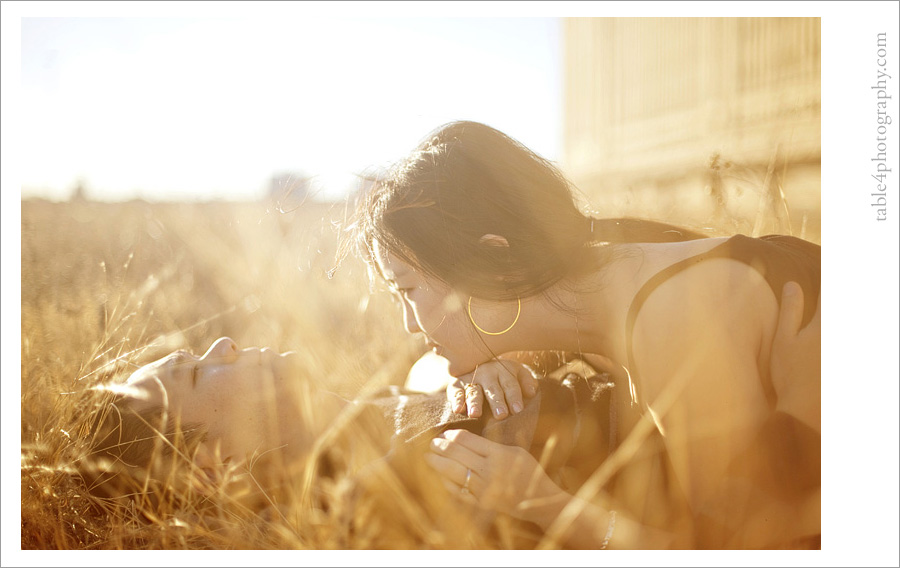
(697, 351)
(715, 317)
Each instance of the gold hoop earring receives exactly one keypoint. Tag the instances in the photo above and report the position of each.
(471, 319)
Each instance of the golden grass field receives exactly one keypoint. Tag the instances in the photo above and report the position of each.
(107, 287)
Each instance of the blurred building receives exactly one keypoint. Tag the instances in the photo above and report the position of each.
(712, 121)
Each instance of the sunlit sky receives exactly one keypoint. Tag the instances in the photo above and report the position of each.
(212, 108)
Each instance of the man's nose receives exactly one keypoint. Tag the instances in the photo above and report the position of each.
(223, 349)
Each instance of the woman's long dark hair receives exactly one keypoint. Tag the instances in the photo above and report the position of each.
(467, 180)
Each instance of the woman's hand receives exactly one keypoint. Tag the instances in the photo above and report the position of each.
(509, 480)
(503, 383)
(501, 478)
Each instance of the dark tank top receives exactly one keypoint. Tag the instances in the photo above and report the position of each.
(778, 258)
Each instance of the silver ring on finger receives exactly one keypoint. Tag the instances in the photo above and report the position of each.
(465, 486)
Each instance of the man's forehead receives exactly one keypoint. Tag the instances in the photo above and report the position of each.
(142, 391)
(146, 383)
(146, 371)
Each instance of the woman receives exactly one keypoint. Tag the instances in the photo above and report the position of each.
(489, 253)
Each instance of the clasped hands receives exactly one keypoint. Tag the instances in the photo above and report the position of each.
(494, 476)
(501, 381)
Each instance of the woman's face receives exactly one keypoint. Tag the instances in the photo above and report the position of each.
(248, 400)
(432, 308)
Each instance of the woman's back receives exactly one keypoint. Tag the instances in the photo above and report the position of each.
(698, 336)
(777, 259)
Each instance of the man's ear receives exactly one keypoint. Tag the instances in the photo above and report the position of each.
(492, 240)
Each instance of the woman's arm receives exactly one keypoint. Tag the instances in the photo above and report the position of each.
(509, 480)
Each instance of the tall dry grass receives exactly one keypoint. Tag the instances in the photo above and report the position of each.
(107, 287)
